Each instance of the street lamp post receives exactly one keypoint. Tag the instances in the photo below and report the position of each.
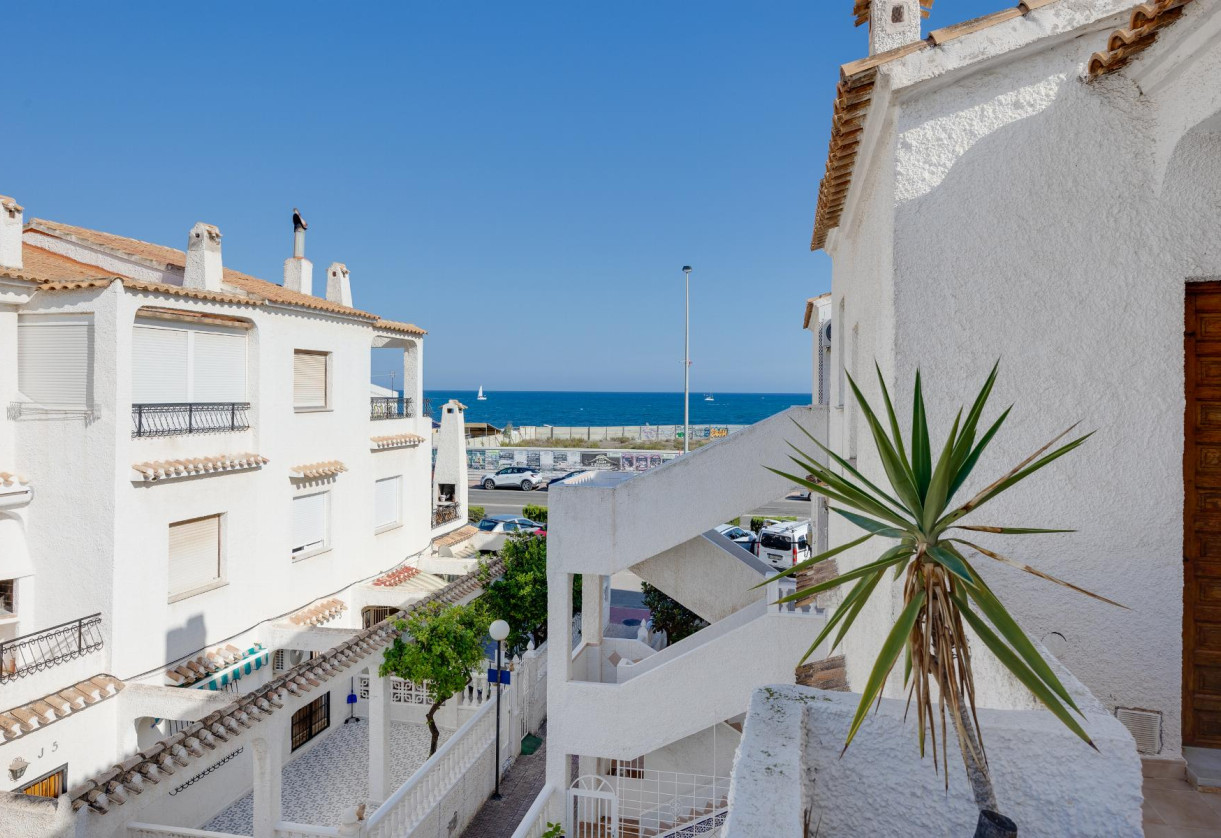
(498, 631)
(686, 358)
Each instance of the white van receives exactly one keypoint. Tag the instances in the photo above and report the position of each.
(783, 544)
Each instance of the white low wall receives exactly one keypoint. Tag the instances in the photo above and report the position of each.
(1048, 781)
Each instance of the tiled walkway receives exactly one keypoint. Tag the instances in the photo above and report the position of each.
(500, 818)
(1174, 809)
(323, 783)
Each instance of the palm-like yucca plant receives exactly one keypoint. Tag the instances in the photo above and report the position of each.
(942, 591)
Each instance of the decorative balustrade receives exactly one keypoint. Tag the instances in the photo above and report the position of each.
(415, 800)
(149, 830)
(534, 822)
(174, 419)
(389, 407)
(285, 829)
(43, 649)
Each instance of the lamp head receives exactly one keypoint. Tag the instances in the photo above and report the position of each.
(686, 269)
(499, 630)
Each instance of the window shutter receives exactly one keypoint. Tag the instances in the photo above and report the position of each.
(386, 502)
(194, 554)
(309, 522)
(54, 357)
(219, 367)
(309, 379)
(158, 365)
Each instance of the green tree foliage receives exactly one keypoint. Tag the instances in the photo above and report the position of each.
(670, 615)
(537, 514)
(446, 644)
(474, 514)
(519, 596)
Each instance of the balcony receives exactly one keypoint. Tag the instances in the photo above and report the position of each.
(389, 407)
(177, 418)
(445, 513)
(43, 649)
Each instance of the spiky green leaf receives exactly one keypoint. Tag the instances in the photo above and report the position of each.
(889, 652)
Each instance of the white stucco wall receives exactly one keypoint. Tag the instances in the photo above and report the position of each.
(1041, 220)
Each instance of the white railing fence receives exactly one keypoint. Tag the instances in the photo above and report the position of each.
(284, 829)
(543, 811)
(660, 801)
(148, 830)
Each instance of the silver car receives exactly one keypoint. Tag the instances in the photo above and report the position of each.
(519, 477)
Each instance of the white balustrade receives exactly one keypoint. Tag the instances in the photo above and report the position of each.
(534, 824)
(149, 830)
(284, 829)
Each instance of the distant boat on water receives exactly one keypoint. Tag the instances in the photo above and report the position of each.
(708, 397)
(481, 397)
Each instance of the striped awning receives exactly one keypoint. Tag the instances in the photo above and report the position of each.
(256, 658)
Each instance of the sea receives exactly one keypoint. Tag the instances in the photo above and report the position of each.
(569, 408)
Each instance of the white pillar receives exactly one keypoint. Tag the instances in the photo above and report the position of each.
(268, 759)
(379, 739)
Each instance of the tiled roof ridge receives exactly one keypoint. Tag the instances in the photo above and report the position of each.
(222, 657)
(162, 257)
(314, 471)
(396, 440)
(26, 718)
(853, 97)
(162, 469)
(1146, 22)
(463, 533)
(8, 478)
(319, 613)
(860, 10)
(396, 577)
(165, 756)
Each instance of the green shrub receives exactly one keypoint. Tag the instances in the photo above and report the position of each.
(535, 513)
(474, 514)
(670, 615)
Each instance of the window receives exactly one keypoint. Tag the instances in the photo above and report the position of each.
(7, 600)
(386, 502)
(374, 614)
(310, 514)
(49, 785)
(194, 561)
(776, 541)
(54, 358)
(627, 768)
(175, 364)
(487, 525)
(310, 379)
(311, 720)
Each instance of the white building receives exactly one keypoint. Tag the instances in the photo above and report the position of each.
(198, 495)
(1038, 185)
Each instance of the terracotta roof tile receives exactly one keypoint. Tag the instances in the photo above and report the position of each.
(1148, 19)
(43, 265)
(810, 309)
(395, 326)
(163, 257)
(17, 721)
(319, 613)
(456, 537)
(860, 10)
(7, 478)
(396, 577)
(163, 469)
(396, 440)
(314, 471)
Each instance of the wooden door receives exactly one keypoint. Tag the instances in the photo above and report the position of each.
(1202, 517)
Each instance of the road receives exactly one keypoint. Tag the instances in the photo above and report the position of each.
(511, 501)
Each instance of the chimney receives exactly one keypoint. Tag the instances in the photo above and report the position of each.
(894, 23)
(338, 285)
(203, 270)
(10, 233)
(299, 271)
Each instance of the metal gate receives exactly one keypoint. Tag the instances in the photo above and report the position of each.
(593, 809)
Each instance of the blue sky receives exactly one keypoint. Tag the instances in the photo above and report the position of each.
(525, 180)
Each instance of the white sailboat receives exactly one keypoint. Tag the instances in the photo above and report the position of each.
(708, 397)
(481, 397)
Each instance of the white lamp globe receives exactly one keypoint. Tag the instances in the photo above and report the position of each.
(499, 630)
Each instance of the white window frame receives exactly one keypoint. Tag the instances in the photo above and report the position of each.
(311, 548)
(220, 579)
(191, 332)
(326, 388)
(32, 322)
(397, 521)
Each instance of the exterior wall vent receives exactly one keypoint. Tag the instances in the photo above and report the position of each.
(1145, 727)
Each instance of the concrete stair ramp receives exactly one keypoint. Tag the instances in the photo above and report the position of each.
(709, 574)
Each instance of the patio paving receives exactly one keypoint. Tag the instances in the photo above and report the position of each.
(518, 789)
(320, 785)
(1174, 809)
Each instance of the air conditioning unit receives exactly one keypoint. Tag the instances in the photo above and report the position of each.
(1145, 727)
(824, 335)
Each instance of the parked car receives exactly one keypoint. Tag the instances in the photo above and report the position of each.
(495, 529)
(745, 538)
(516, 476)
(783, 544)
(564, 477)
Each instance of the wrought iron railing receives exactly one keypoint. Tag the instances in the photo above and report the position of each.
(444, 514)
(173, 419)
(43, 649)
(389, 407)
